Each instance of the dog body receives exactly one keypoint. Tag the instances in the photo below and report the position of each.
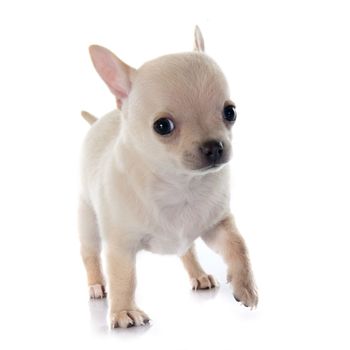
(155, 176)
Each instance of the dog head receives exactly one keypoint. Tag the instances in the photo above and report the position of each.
(176, 108)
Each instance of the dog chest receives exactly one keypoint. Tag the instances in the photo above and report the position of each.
(182, 214)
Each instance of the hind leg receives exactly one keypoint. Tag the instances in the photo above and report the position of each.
(90, 248)
(199, 279)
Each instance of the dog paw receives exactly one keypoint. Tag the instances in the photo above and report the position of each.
(97, 291)
(203, 282)
(128, 318)
(246, 294)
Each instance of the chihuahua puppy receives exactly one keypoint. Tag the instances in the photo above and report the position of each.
(155, 177)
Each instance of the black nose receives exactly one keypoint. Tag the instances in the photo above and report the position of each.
(212, 150)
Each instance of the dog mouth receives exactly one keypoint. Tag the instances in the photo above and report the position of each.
(212, 167)
(200, 166)
(208, 160)
(208, 168)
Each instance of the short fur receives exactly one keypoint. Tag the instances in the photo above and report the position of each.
(141, 190)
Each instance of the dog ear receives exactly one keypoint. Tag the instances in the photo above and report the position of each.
(115, 73)
(198, 40)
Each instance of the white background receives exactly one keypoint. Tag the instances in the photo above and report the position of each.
(288, 64)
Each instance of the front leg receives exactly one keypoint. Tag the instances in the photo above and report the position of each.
(123, 311)
(227, 241)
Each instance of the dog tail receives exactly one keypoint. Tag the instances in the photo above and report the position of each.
(88, 117)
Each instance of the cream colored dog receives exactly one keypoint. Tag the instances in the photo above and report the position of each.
(155, 176)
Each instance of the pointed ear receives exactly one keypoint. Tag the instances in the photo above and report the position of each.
(198, 40)
(115, 73)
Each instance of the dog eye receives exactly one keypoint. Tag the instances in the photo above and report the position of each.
(163, 126)
(230, 113)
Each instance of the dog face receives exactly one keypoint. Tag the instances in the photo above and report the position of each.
(177, 110)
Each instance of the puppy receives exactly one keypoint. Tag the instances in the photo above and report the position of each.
(155, 176)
